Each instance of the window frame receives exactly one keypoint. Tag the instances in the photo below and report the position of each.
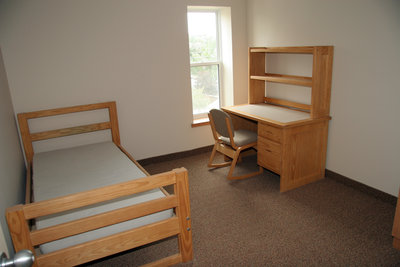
(202, 118)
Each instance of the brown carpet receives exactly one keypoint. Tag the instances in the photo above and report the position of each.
(250, 223)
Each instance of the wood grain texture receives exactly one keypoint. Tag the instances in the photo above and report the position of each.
(70, 131)
(295, 150)
(256, 68)
(242, 123)
(287, 103)
(293, 49)
(112, 111)
(66, 110)
(230, 151)
(269, 154)
(102, 220)
(28, 137)
(180, 225)
(322, 81)
(25, 136)
(286, 79)
(303, 155)
(110, 245)
(18, 217)
(28, 184)
(19, 229)
(85, 198)
(181, 190)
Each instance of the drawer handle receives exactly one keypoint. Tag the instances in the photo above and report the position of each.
(268, 150)
(269, 132)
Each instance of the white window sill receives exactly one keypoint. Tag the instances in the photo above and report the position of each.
(200, 122)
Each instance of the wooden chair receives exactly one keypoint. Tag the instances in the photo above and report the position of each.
(230, 142)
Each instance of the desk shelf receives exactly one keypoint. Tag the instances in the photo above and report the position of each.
(292, 49)
(320, 82)
(292, 137)
(287, 79)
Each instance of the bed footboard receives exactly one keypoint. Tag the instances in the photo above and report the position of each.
(23, 237)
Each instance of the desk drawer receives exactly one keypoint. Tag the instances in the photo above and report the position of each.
(270, 132)
(269, 154)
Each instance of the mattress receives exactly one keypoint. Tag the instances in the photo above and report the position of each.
(67, 171)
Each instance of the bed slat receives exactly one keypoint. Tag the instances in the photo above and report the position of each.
(18, 217)
(102, 220)
(60, 204)
(70, 131)
(106, 246)
(61, 111)
(27, 136)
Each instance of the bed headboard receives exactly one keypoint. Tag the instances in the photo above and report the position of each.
(28, 138)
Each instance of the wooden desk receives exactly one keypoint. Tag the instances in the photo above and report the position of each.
(290, 142)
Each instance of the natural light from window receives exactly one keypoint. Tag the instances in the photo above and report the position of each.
(205, 64)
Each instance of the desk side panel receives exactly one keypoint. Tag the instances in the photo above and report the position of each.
(256, 64)
(303, 154)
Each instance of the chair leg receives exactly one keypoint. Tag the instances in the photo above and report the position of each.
(236, 158)
(226, 158)
(233, 165)
(234, 161)
(216, 165)
(260, 171)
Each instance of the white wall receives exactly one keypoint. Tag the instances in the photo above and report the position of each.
(61, 53)
(3, 244)
(12, 168)
(364, 132)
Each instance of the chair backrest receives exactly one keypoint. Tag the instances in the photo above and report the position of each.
(219, 118)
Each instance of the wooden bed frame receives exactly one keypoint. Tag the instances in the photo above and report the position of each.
(19, 217)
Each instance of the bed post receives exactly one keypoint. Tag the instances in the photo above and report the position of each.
(25, 136)
(19, 229)
(112, 111)
(181, 189)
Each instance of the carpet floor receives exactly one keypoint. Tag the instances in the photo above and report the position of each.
(250, 223)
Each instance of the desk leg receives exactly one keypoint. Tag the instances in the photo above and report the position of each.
(303, 155)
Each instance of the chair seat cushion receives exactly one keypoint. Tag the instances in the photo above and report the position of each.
(241, 138)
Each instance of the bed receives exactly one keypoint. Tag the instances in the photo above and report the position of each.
(90, 201)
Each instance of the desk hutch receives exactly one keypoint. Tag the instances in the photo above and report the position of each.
(292, 137)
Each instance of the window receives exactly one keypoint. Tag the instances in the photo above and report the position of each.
(205, 60)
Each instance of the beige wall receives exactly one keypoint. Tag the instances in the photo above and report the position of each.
(364, 132)
(12, 168)
(60, 53)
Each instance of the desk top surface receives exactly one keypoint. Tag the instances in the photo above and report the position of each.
(271, 113)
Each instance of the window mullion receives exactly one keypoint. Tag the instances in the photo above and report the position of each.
(205, 64)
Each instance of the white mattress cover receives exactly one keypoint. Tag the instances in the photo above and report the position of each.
(66, 171)
(272, 112)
